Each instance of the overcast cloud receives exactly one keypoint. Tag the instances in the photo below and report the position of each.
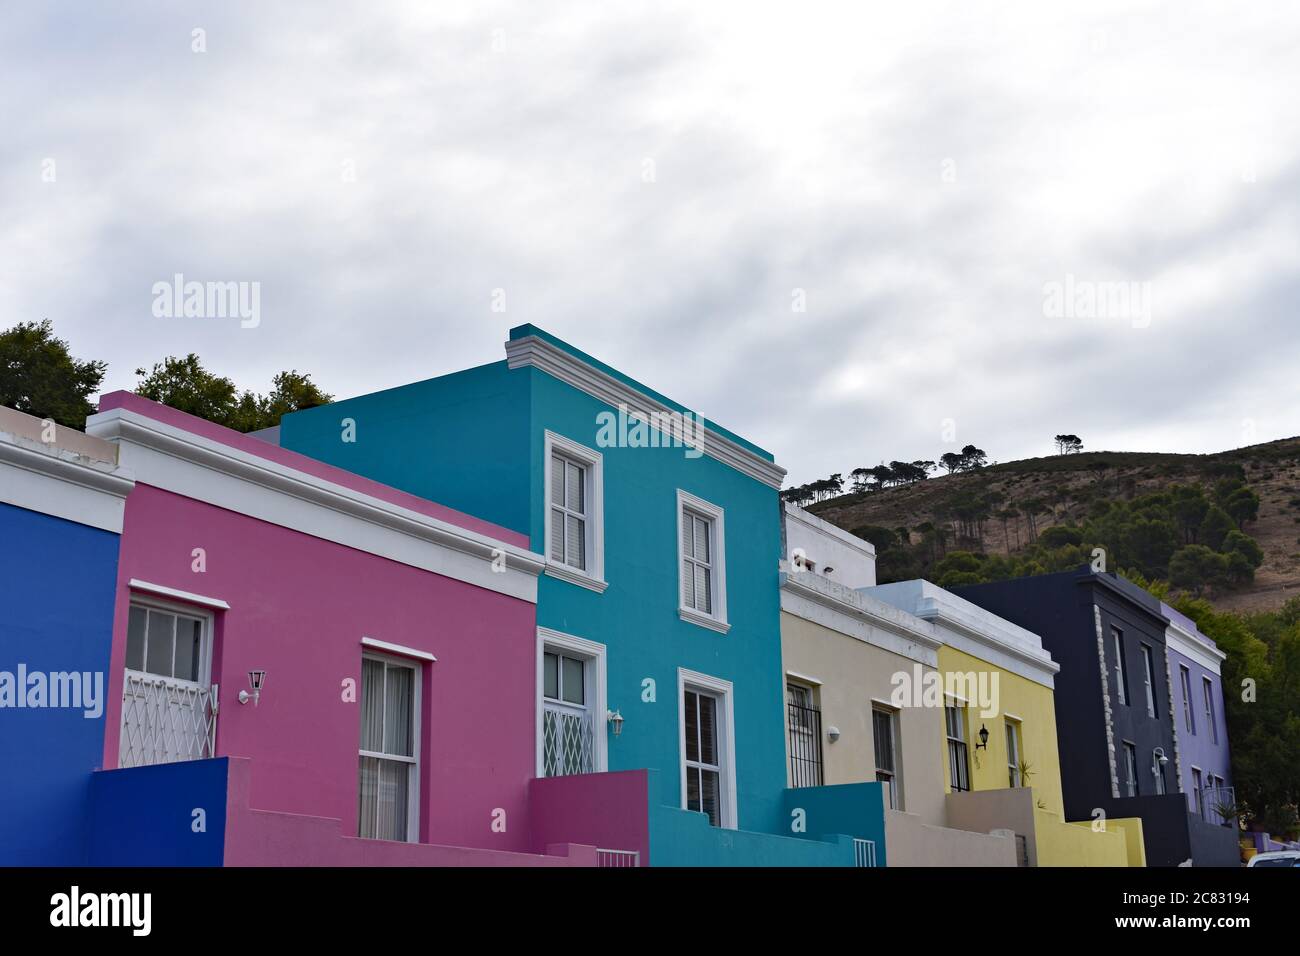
(661, 183)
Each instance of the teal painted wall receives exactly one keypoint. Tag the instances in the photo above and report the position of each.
(474, 440)
(455, 439)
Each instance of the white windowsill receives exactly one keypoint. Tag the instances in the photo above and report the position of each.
(574, 576)
(693, 616)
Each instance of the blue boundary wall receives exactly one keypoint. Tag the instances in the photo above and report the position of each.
(150, 816)
(57, 587)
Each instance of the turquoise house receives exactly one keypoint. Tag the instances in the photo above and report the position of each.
(658, 644)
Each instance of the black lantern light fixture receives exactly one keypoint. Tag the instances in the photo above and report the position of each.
(984, 739)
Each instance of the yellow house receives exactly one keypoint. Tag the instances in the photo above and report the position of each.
(998, 743)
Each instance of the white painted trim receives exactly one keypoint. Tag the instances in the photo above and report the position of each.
(593, 577)
(716, 621)
(397, 649)
(184, 463)
(1010, 716)
(538, 353)
(822, 526)
(1183, 642)
(720, 688)
(176, 594)
(804, 678)
(856, 615)
(967, 627)
(598, 655)
(62, 484)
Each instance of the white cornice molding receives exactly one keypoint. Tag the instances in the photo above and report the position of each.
(62, 483)
(134, 432)
(804, 594)
(1194, 647)
(989, 647)
(535, 351)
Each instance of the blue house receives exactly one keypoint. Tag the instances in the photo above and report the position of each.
(659, 643)
(61, 505)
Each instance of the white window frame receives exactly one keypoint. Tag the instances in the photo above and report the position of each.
(1185, 679)
(593, 576)
(1198, 790)
(717, 621)
(1121, 672)
(417, 719)
(596, 677)
(1132, 768)
(716, 687)
(207, 645)
(895, 785)
(1149, 677)
(1207, 693)
(959, 705)
(1014, 735)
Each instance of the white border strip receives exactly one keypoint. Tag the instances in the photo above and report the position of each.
(135, 584)
(398, 649)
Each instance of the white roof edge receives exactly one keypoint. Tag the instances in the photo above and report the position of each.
(535, 351)
(825, 527)
(126, 425)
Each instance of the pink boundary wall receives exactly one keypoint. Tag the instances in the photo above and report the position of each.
(608, 810)
(265, 838)
(129, 401)
(299, 607)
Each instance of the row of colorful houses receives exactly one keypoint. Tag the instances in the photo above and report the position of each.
(535, 613)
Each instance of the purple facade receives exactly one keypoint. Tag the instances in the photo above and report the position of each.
(1202, 734)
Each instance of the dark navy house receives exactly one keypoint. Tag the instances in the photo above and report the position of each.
(1117, 735)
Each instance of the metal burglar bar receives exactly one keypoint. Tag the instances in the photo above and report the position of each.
(805, 745)
(568, 745)
(164, 721)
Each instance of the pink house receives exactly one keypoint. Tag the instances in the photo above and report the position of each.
(365, 658)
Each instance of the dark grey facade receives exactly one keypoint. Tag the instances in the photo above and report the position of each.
(1113, 705)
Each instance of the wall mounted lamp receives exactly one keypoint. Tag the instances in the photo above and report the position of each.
(984, 739)
(833, 733)
(255, 679)
(615, 719)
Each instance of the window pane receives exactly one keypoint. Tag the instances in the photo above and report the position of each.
(692, 788)
(372, 705)
(703, 594)
(551, 676)
(574, 686)
(135, 638)
(692, 726)
(884, 740)
(557, 535)
(710, 796)
(688, 583)
(702, 540)
(575, 491)
(368, 799)
(189, 635)
(399, 704)
(557, 480)
(575, 543)
(708, 729)
(394, 799)
(688, 535)
(158, 650)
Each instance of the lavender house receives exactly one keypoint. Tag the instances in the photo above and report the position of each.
(1199, 729)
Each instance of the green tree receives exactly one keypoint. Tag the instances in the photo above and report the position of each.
(184, 384)
(1194, 568)
(39, 376)
(1215, 528)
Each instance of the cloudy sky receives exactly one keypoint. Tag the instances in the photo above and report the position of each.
(832, 228)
